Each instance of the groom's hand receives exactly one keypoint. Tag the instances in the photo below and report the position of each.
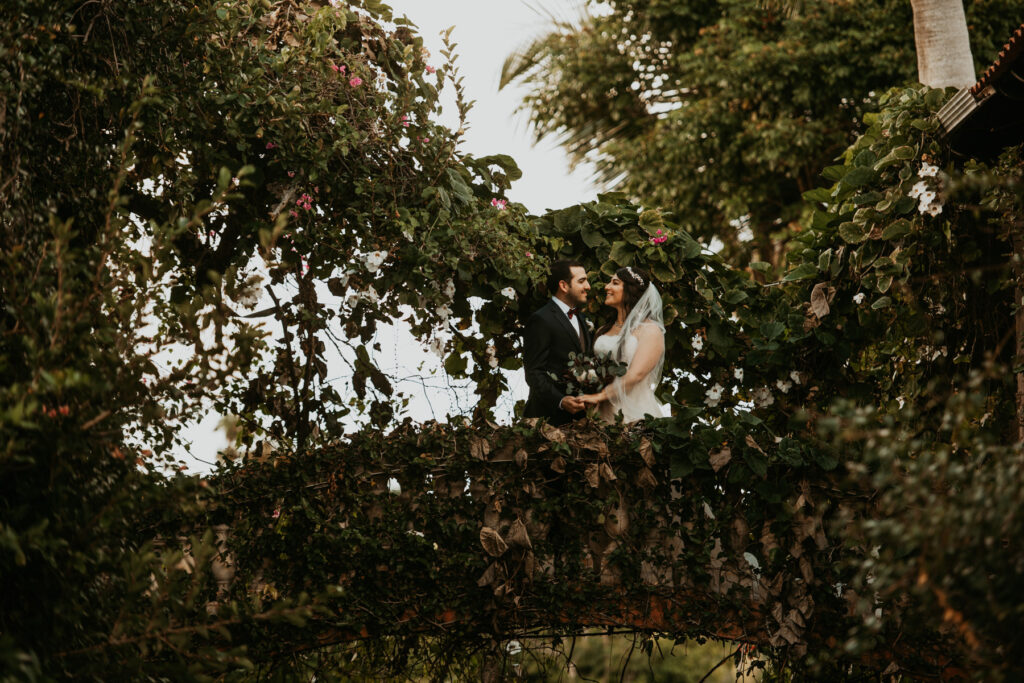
(572, 404)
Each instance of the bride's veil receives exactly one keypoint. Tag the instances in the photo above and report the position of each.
(647, 310)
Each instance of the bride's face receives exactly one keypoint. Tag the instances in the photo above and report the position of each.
(613, 292)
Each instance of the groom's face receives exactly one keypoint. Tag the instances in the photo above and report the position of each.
(578, 286)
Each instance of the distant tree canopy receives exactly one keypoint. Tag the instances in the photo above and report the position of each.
(161, 162)
(724, 112)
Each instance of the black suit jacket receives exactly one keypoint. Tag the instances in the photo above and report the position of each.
(547, 342)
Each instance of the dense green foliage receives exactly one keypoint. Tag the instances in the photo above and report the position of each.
(160, 162)
(725, 112)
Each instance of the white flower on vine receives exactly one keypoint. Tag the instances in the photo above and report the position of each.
(763, 397)
(697, 342)
(509, 292)
(858, 298)
(738, 374)
(795, 376)
(927, 170)
(374, 260)
(444, 312)
(919, 189)
(933, 209)
(449, 288)
(784, 385)
(714, 395)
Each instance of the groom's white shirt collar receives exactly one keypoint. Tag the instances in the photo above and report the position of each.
(564, 307)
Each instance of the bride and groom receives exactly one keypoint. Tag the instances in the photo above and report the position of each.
(636, 337)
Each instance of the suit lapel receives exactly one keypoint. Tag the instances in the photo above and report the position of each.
(563, 320)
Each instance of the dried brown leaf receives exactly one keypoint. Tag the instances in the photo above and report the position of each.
(517, 535)
(492, 542)
(558, 465)
(552, 433)
(821, 296)
(606, 471)
(753, 444)
(720, 458)
(646, 451)
(646, 479)
(592, 476)
(479, 447)
(520, 457)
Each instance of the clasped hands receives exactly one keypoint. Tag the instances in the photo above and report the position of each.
(574, 404)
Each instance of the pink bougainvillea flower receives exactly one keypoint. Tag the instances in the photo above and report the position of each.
(339, 69)
(405, 120)
(291, 174)
(529, 254)
(658, 231)
(293, 213)
(277, 513)
(355, 81)
(500, 204)
(430, 69)
(271, 145)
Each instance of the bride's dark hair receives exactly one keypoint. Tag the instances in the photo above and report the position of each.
(634, 284)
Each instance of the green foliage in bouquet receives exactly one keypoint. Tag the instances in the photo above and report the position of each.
(587, 373)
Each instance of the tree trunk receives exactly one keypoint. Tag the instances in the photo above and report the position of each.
(943, 49)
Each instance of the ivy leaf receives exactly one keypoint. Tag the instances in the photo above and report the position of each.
(801, 272)
(896, 229)
(852, 233)
(881, 303)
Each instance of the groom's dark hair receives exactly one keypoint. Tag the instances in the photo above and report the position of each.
(561, 270)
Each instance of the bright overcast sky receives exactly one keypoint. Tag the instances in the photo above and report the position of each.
(486, 32)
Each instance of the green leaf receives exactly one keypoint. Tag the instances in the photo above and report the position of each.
(819, 194)
(860, 176)
(852, 233)
(881, 303)
(622, 253)
(801, 272)
(772, 330)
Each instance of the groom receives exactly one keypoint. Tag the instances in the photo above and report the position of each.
(552, 332)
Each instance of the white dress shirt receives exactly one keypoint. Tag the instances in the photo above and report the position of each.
(574, 321)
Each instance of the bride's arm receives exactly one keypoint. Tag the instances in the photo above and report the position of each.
(649, 351)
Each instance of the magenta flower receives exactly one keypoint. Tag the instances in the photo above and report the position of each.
(405, 120)
(500, 204)
(355, 81)
(293, 213)
(271, 145)
(291, 174)
(339, 69)
(430, 69)
(529, 254)
(277, 513)
(658, 231)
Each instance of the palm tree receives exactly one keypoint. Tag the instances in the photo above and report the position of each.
(943, 49)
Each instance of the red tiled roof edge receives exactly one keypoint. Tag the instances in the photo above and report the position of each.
(1007, 55)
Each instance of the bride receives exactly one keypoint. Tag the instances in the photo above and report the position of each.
(637, 337)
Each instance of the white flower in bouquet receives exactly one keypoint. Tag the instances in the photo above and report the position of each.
(697, 342)
(509, 292)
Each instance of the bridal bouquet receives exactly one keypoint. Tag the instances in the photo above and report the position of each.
(587, 374)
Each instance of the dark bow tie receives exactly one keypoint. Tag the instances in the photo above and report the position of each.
(572, 312)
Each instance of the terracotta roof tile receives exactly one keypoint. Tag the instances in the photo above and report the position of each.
(1007, 56)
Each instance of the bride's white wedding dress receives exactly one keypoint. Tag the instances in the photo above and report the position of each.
(640, 344)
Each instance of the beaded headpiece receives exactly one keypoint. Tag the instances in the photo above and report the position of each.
(635, 276)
